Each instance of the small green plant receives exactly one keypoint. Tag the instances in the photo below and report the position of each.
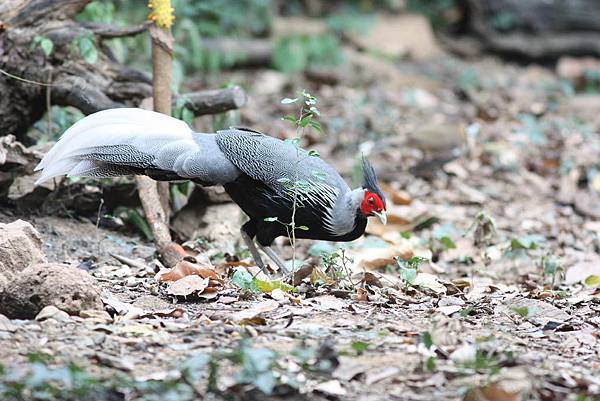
(409, 269)
(426, 341)
(247, 282)
(550, 267)
(298, 188)
(85, 47)
(45, 44)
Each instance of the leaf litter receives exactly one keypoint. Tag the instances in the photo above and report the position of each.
(483, 286)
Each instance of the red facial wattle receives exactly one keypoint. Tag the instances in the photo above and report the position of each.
(371, 204)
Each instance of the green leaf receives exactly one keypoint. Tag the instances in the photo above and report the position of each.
(408, 275)
(242, 279)
(317, 126)
(47, 46)
(87, 49)
(289, 118)
(268, 286)
(305, 120)
(412, 263)
(447, 243)
(359, 346)
(288, 100)
(313, 153)
(426, 339)
(592, 281)
(271, 219)
(430, 364)
(524, 311)
(303, 228)
(528, 242)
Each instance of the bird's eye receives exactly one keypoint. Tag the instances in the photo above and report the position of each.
(371, 201)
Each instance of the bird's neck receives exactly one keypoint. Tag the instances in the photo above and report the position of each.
(345, 211)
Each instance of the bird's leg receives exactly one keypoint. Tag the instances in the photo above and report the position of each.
(253, 251)
(275, 258)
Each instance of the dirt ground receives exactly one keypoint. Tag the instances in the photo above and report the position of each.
(450, 139)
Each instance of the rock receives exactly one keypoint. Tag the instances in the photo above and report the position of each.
(52, 312)
(399, 35)
(20, 247)
(576, 69)
(96, 315)
(7, 325)
(24, 186)
(66, 287)
(438, 138)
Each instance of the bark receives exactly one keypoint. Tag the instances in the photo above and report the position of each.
(88, 87)
(538, 29)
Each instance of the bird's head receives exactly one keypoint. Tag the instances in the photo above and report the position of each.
(373, 202)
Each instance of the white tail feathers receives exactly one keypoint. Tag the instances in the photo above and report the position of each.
(125, 126)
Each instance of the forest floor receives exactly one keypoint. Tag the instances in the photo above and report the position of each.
(492, 176)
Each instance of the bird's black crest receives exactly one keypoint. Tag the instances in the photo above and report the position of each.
(370, 179)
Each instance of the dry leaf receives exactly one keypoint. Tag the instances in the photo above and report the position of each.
(377, 258)
(188, 286)
(361, 295)
(490, 393)
(251, 315)
(331, 387)
(185, 268)
(397, 196)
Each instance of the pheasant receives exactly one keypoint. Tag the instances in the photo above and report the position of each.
(267, 177)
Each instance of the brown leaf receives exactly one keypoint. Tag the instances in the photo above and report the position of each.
(398, 197)
(187, 286)
(491, 392)
(185, 268)
(361, 295)
(252, 314)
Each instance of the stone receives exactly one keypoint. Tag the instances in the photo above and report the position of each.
(52, 312)
(398, 36)
(66, 287)
(20, 247)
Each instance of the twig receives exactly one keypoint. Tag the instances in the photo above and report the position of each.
(28, 81)
(129, 262)
(110, 31)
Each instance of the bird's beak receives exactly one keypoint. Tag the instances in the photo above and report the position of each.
(381, 216)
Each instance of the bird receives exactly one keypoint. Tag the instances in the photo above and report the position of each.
(273, 181)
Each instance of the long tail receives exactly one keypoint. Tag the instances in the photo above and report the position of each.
(119, 142)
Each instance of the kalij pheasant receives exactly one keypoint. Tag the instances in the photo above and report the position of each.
(263, 175)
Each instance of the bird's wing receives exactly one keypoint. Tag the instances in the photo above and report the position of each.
(286, 169)
(135, 141)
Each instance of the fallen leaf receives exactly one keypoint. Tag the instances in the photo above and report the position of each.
(491, 392)
(397, 196)
(247, 316)
(429, 281)
(331, 387)
(188, 286)
(184, 269)
(579, 272)
(361, 295)
(328, 302)
(379, 375)
(538, 312)
(377, 258)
